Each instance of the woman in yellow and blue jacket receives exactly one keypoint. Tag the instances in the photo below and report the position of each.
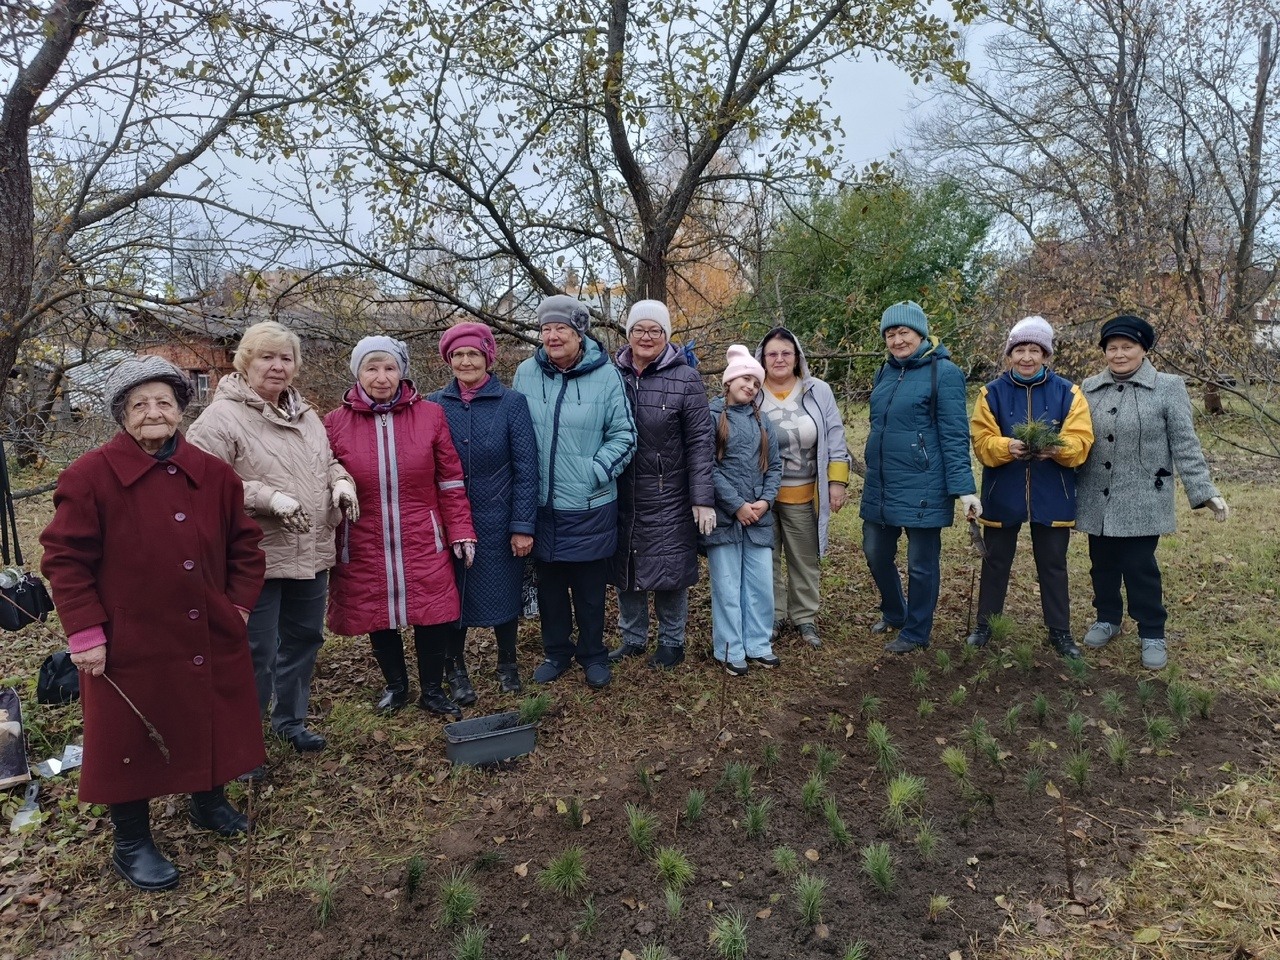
(1019, 485)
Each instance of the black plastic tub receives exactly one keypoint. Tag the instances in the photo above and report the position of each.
(491, 739)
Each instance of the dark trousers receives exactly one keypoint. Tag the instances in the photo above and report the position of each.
(914, 612)
(1049, 547)
(286, 631)
(505, 632)
(430, 643)
(569, 592)
(1133, 561)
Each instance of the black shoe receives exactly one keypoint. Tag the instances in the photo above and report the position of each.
(768, 661)
(139, 862)
(210, 810)
(903, 646)
(257, 774)
(306, 741)
(778, 626)
(509, 678)
(598, 675)
(625, 650)
(394, 698)
(667, 658)
(1062, 642)
(435, 700)
(884, 626)
(461, 691)
(979, 637)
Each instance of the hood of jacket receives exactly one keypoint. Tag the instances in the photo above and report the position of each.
(235, 388)
(593, 358)
(928, 351)
(804, 363)
(668, 358)
(354, 400)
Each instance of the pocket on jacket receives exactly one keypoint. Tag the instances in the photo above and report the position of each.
(921, 453)
(439, 535)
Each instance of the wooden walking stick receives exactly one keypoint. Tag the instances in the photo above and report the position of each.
(248, 846)
(152, 732)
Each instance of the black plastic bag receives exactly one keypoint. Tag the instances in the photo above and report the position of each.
(59, 680)
(24, 599)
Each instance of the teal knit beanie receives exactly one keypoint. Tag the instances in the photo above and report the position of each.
(908, 313)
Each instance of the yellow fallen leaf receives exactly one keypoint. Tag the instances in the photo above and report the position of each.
(764, 914)
(1147, 935)
(812, 855)
(626, 955)
(521, 869)
(526, 938)
(1224, 905)
(562, 807)
(955, 955)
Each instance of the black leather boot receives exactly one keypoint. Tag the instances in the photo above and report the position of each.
(1062, 642)
(435, 700)
(390, 657)
(135, 856)
(460, 688)
(210, 810)
(509, 678)
(430, 675)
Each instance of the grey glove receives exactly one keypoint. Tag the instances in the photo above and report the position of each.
(344, 498)
(705, 518)
(465, 550)
(290, 513)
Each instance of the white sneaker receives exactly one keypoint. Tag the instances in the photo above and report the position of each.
(1155, 655)
(1100, 634)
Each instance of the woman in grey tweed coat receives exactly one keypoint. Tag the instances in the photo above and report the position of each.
(1142, 434)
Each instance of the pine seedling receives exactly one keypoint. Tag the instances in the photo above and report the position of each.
(958, 696)
(574, 814)
(1146, 690)
(1118, 750)
(1033, 781)
(566, 874)
(532, 709)
(992, 750)
(825, 760)
(487, 859)
(869, 709)
(1178, 697)
(926, 840)
(648, 782)
(839, 832)
(785, 861)
(675, 902)
(469, 944)
(1076, 768)
(729, 935)
(811, 794)
(975, 733)
(1159, 730)
(1038, 435)
(586, 925)
(653, 951)
(770, 758)
(883, 749)
(1000, 627)
(1039, 749)
(1203, 700)
(738, 777)
(641, 828)
(413, 872)
(943, 660)
(809, 891)
(1075, 727)
(957, 762)
(858, 950)
(938, 905)
(459, 898)
(1024, 656)
(1069, 700)
(1078, 667)
(1012, 717)
(905, 796)
(1113, 705)
(925, 708)
(877, 864)
(695, 804)
(919, 679)
(757, 817)
(835, 722)
(674, 869)
(1040, 708)
(325, 889)
(967, 653)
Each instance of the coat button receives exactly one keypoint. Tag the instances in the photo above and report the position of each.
(198, 661)
(1106, 491)
(179, 517)
(172, 469)
(1111, 438)
(125, 760)
(1120, 386)
(1112, 410)
(188, 564)
(1107, 464)
(193, 614)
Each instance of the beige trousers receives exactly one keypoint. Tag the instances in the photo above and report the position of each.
(795, 596)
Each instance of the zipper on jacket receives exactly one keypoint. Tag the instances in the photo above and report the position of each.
(902, 372)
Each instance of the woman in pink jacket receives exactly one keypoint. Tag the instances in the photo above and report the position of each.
(394, 565)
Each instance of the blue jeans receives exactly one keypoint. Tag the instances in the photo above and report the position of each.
(671, 606)
(286, 631)
(741, 600)
(913, 614)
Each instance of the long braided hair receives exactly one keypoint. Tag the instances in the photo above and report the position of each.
(722, 432)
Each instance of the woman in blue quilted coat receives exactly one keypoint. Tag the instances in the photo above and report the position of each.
(493, 435)
(917, 465)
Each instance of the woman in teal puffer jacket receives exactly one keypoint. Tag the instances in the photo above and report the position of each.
(917, 465)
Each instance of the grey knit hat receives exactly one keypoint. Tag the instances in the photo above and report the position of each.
(563, 308)
(380, 344)
(1035, 330)
(136, 371)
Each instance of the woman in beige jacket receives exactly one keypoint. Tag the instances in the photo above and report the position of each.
(297, 492)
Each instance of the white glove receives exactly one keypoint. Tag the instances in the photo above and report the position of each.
(344, 498)
(1220, 509)
(972, 506)
(465, 550)
(290, 513)
(705, 518)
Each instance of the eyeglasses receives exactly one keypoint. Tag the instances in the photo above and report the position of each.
(647, 333)
(780, 355)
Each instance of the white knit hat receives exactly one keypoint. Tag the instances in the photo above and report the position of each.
(1034, 329)
(653, 310)
(740, 363)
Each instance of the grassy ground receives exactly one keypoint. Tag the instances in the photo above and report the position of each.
(1206, 883)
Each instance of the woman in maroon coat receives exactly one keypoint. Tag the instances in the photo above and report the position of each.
(165, 629)
(394, 566)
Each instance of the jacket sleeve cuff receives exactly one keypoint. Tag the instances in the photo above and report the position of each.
(838, 472)
(524, 528)
(87, 639)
